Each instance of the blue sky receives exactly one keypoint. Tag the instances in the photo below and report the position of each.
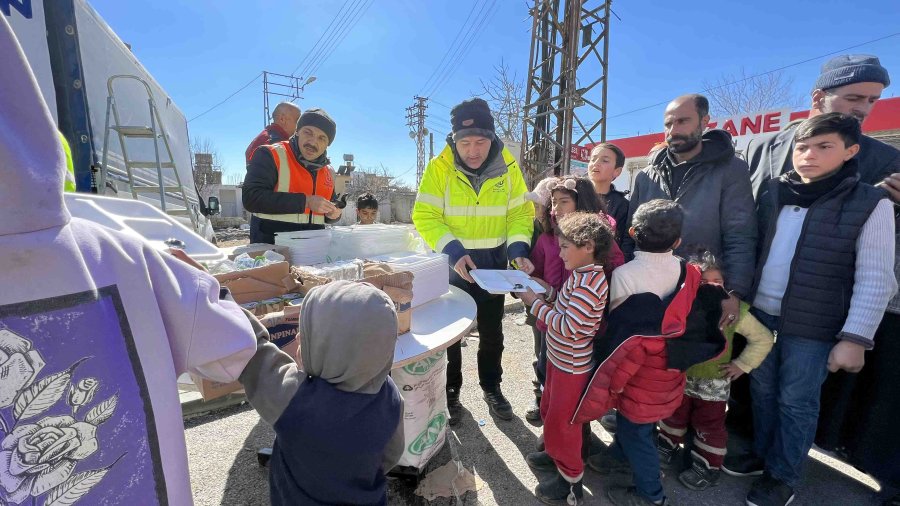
(201, 51)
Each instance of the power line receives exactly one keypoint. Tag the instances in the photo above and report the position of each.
(454, 64)
(331, 34)
(348, 28)
(433, 101)
(242, 88)
(439, 66)
(761, 74)
(326, 31)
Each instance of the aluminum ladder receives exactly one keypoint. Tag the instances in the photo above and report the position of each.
(156, 132)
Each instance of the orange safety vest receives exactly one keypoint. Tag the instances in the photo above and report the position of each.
(294, 178)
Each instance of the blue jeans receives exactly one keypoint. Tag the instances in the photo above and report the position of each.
(636, 444)
(785, 389)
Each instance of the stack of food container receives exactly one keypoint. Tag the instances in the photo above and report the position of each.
(431, 273)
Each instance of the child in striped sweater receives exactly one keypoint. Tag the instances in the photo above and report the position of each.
(572, 317)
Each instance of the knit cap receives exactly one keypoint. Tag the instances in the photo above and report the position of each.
(850, 69)
(472, 117)
(319, 119)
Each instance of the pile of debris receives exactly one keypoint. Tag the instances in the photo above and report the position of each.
(228, 235)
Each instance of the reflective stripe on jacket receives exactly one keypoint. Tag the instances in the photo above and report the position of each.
(294, 178)
(448, 209)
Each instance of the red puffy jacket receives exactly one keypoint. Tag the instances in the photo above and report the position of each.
(636, 374)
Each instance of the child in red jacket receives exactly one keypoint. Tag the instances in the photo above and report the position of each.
(645, 389)
(572, 318)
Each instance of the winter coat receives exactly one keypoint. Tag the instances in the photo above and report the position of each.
(617, 208)
(718, 205)
(270, 135)
(648, 346)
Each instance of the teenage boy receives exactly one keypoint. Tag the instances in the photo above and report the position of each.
(823, 281)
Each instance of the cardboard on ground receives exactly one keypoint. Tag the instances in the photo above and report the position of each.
(499, 281)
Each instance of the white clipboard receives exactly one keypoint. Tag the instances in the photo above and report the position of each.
(500, 281)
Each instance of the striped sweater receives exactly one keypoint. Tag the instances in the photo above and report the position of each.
(574, 318)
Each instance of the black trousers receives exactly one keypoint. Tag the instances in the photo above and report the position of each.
(257, 235)
(490, 347)
(540, 362)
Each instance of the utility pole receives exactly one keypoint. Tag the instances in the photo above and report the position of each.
(281, 85)
(430, 145)
(415, 120)
(566, 35)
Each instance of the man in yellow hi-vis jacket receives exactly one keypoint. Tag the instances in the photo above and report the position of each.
(471, 206)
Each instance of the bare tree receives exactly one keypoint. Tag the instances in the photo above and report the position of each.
(731, 95)
(207, 165)
(506, 95)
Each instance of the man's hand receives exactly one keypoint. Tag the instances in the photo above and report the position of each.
(463, 266)
(731, 308)
(892, 185)
(731, 371)
(524, 265)
(848, 356)
(336, 214)
(320, 205)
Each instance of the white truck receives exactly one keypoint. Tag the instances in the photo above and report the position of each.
(134, 145)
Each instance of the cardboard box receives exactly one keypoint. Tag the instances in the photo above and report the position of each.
(260, 283)
(283, 327)
(398, 286)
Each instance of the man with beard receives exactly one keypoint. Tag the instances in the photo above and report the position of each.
(701, 172)
(471, 206)
(290, 184)
(858, 410)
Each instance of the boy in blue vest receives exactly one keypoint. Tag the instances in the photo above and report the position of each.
(824, 278)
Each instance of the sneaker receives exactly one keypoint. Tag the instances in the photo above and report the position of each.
(769, 491)
(699, 477)
(628, 496)
(605, 463)
(608, 421)
(534, 412)
(540, 462)
(498, 404)
(743, 465)
(556, 490)
(454, 407)
(667, 453)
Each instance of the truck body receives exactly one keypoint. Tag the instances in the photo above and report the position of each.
(73, 52)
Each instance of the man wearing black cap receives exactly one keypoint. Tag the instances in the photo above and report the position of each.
(289, 185)
(471, 206)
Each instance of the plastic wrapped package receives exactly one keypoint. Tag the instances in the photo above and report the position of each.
(307, 247)
(366, 241)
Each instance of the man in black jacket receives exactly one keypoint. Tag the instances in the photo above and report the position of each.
(701, 172)
(289, 186)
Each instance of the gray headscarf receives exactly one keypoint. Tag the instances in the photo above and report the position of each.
(347, 335)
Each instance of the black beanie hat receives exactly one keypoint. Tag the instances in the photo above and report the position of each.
(319, 119)
(472, 117)
(850, 69)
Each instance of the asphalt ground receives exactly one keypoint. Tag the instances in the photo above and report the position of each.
(223, 464)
